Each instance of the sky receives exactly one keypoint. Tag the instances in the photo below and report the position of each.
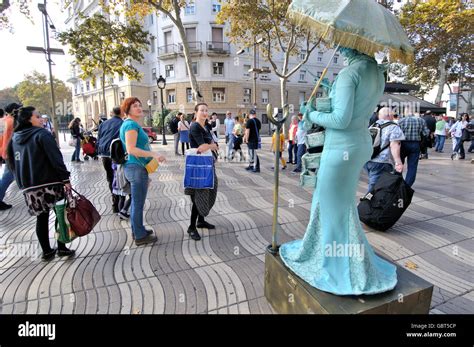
(15, 60)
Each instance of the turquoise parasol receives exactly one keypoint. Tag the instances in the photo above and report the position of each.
(363, 25)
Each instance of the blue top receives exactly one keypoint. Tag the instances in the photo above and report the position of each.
(229, 125)
(300, 133)
(142, 141)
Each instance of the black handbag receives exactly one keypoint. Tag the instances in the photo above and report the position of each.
(466, 135)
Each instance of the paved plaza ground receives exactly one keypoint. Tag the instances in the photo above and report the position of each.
(223, 273)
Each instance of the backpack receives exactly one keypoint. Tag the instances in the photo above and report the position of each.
(381, 208)
(117, 152)
(173, 125)
(376, 134)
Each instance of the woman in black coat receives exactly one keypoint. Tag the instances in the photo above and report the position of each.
(38, 166)
(76, 134)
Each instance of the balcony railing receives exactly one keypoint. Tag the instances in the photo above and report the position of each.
(194, 47)
(217, 47)
(167, 50)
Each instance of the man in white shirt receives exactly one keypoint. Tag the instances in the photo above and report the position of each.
(216, 125)
(47, 124)
(229, 124)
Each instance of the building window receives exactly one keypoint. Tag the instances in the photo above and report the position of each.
(120, 78)
(75, 90)
(190, 7)
(168, 40)
(152, 45)
(155, 98)
(216, 6)
(302, 97)
(194, 67)
(122, 96)
(264, 76)
(218, 69)
(319, 95)
(247, 95)
(111, 80)
(88, 86)
(246, 70)
(302, 75)
(218, 95)
(171, 96)
(319, 74)
(153, 74)
(189, 95)
(265, 94)
(169, 71)
(302, 55)
(151, 19)
(336, 57)
(320, 56)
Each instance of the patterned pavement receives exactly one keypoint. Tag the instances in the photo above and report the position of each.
(224, 272)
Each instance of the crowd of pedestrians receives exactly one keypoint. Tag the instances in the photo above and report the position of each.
(28, 145)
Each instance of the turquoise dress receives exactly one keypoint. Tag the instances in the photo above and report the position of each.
(334, 255)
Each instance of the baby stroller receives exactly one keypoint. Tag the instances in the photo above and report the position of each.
(89, 146)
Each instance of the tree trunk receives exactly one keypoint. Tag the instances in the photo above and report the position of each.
(467, 100)
(283, 79)
(441, 80)
(176, 19)
(188, 60)
(284, 100)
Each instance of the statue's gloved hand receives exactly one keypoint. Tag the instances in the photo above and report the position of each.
(307, 106)
(307, 123)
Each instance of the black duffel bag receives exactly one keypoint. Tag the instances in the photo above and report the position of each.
(383, 207)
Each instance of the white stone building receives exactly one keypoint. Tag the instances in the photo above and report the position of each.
(223, 77)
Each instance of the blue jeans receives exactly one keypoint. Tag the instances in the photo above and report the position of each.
(254, 159)
(300, 153)
(471, 147)
(440, 139)
(230, 146)
(459, 147)
(292, 151)
(410, 150)
(375, 170)
(138, 177)
(77, 150)
(7, 179)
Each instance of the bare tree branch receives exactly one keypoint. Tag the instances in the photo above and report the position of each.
(269, 57)
(308, 52)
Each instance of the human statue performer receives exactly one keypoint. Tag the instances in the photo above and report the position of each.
(334, 255)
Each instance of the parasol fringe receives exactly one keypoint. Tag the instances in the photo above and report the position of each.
(346, 39)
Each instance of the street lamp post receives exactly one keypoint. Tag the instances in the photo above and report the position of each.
(47, 50)
(255, 69)
(161, 83)
(149, 112)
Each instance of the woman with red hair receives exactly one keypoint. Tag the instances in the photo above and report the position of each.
(136, 145)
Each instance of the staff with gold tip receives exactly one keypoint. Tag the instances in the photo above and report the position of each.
(278, 118)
